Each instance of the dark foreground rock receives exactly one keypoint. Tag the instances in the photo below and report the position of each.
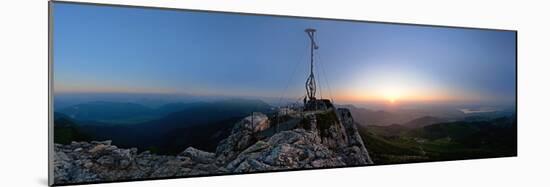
(101, 161)
(333, 143)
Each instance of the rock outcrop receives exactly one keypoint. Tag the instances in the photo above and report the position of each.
(356, 150)
(320, 139)
(100, 161)
(244, 134)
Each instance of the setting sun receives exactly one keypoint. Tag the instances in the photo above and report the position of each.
(391, 97)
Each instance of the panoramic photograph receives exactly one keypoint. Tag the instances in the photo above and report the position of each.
(144, 93)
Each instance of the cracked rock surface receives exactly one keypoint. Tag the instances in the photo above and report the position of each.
(244, 150)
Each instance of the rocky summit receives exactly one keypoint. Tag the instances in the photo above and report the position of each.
(318, 139)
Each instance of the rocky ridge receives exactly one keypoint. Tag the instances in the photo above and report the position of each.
(322, 139)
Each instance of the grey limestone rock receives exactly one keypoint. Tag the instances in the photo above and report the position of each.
(330, 139)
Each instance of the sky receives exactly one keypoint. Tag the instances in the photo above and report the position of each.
(102, 49)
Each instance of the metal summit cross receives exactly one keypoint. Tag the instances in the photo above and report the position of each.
(311, 86)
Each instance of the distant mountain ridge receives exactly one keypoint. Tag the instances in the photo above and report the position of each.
(107, 112)
(417, 117)
(423, 121)
(380, 117)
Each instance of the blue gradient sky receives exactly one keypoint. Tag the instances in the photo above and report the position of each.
(100, 49)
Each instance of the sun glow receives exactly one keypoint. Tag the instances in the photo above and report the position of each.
(392, 99)
(390, 85)
(391, 96)
(394, 95)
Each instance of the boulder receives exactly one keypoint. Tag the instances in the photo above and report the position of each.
(243, 135)
(256, 122)
(198, 155)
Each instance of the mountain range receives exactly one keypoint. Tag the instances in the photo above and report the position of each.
(167, 129)
(393, 136)
(417, 117)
